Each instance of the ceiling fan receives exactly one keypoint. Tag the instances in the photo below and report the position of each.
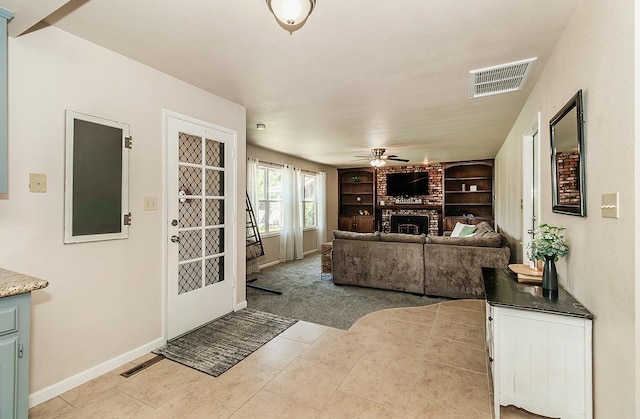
(379, 159)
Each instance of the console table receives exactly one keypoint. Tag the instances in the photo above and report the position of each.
(540, 350)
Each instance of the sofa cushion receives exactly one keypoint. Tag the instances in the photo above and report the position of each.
(403, 238)
(486, 240)
(350, 235)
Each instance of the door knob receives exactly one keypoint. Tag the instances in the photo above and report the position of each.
(175, 239)
(531, 231)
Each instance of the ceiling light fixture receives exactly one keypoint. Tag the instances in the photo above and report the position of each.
(377, 157)
(291, 14)
(261, 127)
(377, 162)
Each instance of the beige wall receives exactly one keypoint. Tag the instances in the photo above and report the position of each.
(594, 54)
(271, 243)
(105, 299)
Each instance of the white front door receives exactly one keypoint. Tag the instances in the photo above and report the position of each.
(200, 236)
(530, 186)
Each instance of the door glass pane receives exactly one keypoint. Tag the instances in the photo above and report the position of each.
(214, 243)
(214, 214)
(190, 212)
(214, 182)
(214, 153)
(214, 270)
(189, 277)
(190, 244)
(189, 148)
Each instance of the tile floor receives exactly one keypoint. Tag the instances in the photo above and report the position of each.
(419, 362)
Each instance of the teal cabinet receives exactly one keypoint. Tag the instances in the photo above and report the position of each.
(5, 16)
(15, 313)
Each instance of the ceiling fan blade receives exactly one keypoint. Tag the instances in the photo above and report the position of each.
(397, 159)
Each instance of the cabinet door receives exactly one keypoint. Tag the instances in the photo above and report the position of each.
(8, 377)
(345, 223)
(543, 363)
(365, 224)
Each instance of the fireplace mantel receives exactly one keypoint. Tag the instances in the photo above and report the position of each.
(408, 207)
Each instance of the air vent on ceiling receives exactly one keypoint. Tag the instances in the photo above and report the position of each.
(500, 78)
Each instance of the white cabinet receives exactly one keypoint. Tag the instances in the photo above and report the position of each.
(541, 362)
(540, 350)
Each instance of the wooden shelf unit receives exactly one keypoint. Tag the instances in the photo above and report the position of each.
(458, 201)
(357, 195)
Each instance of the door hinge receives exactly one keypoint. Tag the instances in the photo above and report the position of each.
(20, 350)
(128, 142)
(127, 219)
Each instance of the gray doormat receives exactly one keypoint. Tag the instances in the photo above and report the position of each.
(222, 343)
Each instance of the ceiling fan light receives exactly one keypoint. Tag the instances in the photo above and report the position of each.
(377, 162)
(291, 14)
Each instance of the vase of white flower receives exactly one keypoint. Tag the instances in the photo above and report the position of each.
(549, 245)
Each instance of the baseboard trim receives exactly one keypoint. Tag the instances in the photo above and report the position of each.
(275, 262)
(266, 265)
(67, 384)
(240, 306)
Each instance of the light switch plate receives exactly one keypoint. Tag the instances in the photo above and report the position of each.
(150, 203)
(37, 182)
(610, 205)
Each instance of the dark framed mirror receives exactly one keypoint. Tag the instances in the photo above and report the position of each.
(567, 158)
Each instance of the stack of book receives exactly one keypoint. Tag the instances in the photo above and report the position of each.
(526, 274)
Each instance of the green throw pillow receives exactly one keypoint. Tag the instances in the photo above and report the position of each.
(467, 231)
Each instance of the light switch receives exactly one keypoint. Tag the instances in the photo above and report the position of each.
(150, 203)
(37, 182)
(610, 205)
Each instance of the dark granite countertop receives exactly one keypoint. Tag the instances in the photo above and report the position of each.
(502, 289)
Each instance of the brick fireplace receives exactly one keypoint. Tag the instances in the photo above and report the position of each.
(431, 206)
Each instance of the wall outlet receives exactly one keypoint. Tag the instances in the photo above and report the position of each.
(150, 203)
(37, 182)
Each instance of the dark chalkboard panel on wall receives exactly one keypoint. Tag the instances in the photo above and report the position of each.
(96, 186)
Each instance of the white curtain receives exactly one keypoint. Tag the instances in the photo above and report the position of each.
(321, 210)
(252, 190)
(291, 234)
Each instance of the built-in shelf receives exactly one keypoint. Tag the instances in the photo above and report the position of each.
(458, 202)
(350, 215)
(409, 206)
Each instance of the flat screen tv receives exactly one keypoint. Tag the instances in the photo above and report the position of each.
(407, 184)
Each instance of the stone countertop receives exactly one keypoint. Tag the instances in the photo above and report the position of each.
(502, 289)
(14, 283)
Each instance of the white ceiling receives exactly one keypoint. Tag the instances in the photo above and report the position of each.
(358, 75)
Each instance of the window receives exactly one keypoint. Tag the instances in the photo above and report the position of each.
(309, 201)
(269, 199)
(96, 191)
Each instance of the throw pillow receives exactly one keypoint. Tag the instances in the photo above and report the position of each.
(462, 230)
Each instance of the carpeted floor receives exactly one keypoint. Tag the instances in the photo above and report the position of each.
(222, 343)
(307, 296)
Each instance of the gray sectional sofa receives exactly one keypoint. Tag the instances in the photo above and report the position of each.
(431, 265)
